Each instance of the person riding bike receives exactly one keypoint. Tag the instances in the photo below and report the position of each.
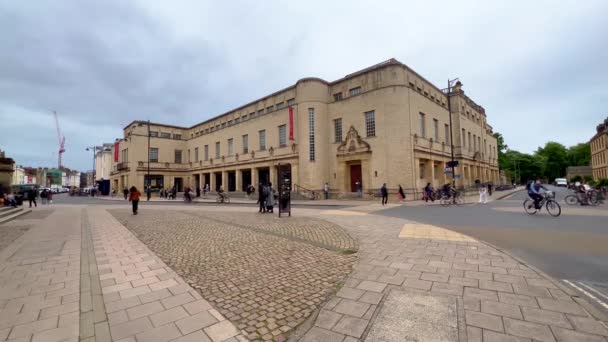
(221, 193)
(535, 194)
(448, 190)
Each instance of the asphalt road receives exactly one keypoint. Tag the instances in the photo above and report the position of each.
(573, 246)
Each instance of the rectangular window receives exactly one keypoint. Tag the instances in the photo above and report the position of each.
(464, 138)
(153, 134)
(229, 122)
(370, 123)
(223, 124)
(474, 142)
(311, 134)
(435, 130)
(338, 130)
(230, 146)
(280, 105)
(470, 142)
(338, 96)
(447, 134)
(217, 150)
(154, 155)
(260, 112)
(291, 102)
(189, 160)
(178, 156)
(421, 125)
(262, 138)
(479, 144)
(269, 109)
(124, 155)
(245, 143)
(355, 91)
(237, 120)
(165, 135)
(421, 170)
(282, 136)
(177, 136)
(196, 154)
(206, 153)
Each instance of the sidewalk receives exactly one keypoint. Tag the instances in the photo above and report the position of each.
(82, 276)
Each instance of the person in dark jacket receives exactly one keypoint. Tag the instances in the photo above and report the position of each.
(31, 197)
(401, 194)
(262, 198)
(134, 196)
(384, 193)
(125, 192)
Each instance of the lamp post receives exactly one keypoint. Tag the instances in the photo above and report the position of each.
(148, 176)
(452, 162)
(94, 149)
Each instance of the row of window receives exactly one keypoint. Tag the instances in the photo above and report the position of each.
(600, 173)
(352, 92)
(599, 143)
(370, 126)
(164, 135)
(598, 159)
(244, 117)
(435, 133)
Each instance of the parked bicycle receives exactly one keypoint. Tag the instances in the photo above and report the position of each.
(548, 201)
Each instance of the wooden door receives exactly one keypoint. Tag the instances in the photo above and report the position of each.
(355, 176)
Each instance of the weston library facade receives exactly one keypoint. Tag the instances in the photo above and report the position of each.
(383, 124)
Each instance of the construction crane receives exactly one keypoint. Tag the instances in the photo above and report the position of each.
(61, 140)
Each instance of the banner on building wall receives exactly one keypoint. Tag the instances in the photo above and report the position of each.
(291, 123)
(116, 147)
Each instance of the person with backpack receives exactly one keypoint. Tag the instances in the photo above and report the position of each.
(134, 196)
(269, 193)
(43, 196)
(262, 193)
(384, 193)
(31, 197)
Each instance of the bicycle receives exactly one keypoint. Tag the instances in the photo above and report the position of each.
(455, 198)
(553, 208)
(222, 199)
(575, 199)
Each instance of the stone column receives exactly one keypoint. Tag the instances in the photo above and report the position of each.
(211, 181)
(225, 180)
(294, 175)
(238, 180)
(432, 163)
(254, 178)
(273, 175)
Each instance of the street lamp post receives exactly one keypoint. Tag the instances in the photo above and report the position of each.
(452, 162)
(148, 181)
(94, 149)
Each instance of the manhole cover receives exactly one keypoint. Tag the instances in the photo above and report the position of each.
(408, 316)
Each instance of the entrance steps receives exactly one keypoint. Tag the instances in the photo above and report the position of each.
(10, 213)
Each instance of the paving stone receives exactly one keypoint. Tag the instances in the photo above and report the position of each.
(536, 331)
(317, 334)
(506, 278)
(168, 316)
(350, 293)
(137, 291)
(32, 328)
(179, 299)
(485, 321)
(495, 286)
(56, 335)
(396, 279)
(327, 319)
(122, 304)
(352, 308)
(221, 331)
(517, 299)
(197, 336)
(418, 284)
(567, 335)
(472, 303)
(197, 306)
(561, 306)
(130, 328)
(435, 277)
(588, 325)
(401, 265)
(501, 309)
(464, 281)
(450, 289)
(474, 334)
(541, 283)
(478, 275)
(154, 296)
(161, 334)
(465, 267)
(493, 336)
(351, 326)
(451, 272)
(371, 286)
(493, 269)
(425, 268)
(144, 310)
(480, 294)
(118, 317)
(371, 297)
(545, 317)
(196, 322)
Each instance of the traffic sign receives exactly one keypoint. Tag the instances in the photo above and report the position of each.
(452, 163)
(457, 177)
(447, 170)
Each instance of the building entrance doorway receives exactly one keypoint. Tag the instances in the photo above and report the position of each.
(179, 184)
(247, 180)
(231, 181)
(197, 181)
(355, 176)
(264, 175)
(207, 180)
(218, 181)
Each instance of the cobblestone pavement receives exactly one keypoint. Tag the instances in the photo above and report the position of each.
(495, 297)
(265, 275)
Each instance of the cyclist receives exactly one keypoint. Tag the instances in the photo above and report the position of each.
(448, 190)
(535, 194)
(221, 193)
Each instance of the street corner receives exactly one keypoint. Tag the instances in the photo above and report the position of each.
(427, 231)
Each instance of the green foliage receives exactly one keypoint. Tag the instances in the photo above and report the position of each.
(576, 178)
(603, 182)
(556, 156)
(588, 179)
(579, 155)
(591, 183)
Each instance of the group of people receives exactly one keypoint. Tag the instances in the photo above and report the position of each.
(266, 198)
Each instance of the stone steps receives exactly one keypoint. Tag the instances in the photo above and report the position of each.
(9, 213)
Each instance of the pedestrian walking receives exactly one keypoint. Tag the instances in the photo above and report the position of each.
(359, 188)
(269, 198)
(326, 191)
(31, 197)
(428, 193)
(489, 189)
(384, 193)
(49, 197)
(43, 196)
(262, 198)
(401, 194)
(134, 196)
(483, 195)
(125, 192)
(198, 191)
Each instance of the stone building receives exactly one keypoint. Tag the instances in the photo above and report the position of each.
(103, 161)
(382, 124)
(6, 170)
(599, 151)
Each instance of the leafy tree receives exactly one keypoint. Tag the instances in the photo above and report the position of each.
(579, 155)
(576, 178)
(502, 148)
(556, 156)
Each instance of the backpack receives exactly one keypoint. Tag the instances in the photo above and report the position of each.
(266, 191)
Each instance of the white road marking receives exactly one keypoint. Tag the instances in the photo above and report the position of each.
(593, 289)
(586, 293)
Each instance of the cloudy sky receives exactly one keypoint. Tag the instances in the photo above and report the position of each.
(538, 67)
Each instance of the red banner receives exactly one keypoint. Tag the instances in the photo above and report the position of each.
(291, 123)
(116, 147)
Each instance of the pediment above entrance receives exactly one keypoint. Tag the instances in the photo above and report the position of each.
(353, 143)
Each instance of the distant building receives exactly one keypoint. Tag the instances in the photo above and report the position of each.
(6, 170)
(83, 180)
(90, 178)
(583, 171)
(19, 176)
(103, 161)
(599, 151)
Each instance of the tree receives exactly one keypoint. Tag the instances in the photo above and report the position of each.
(579, 155)
(502, 148)
(556, 156)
